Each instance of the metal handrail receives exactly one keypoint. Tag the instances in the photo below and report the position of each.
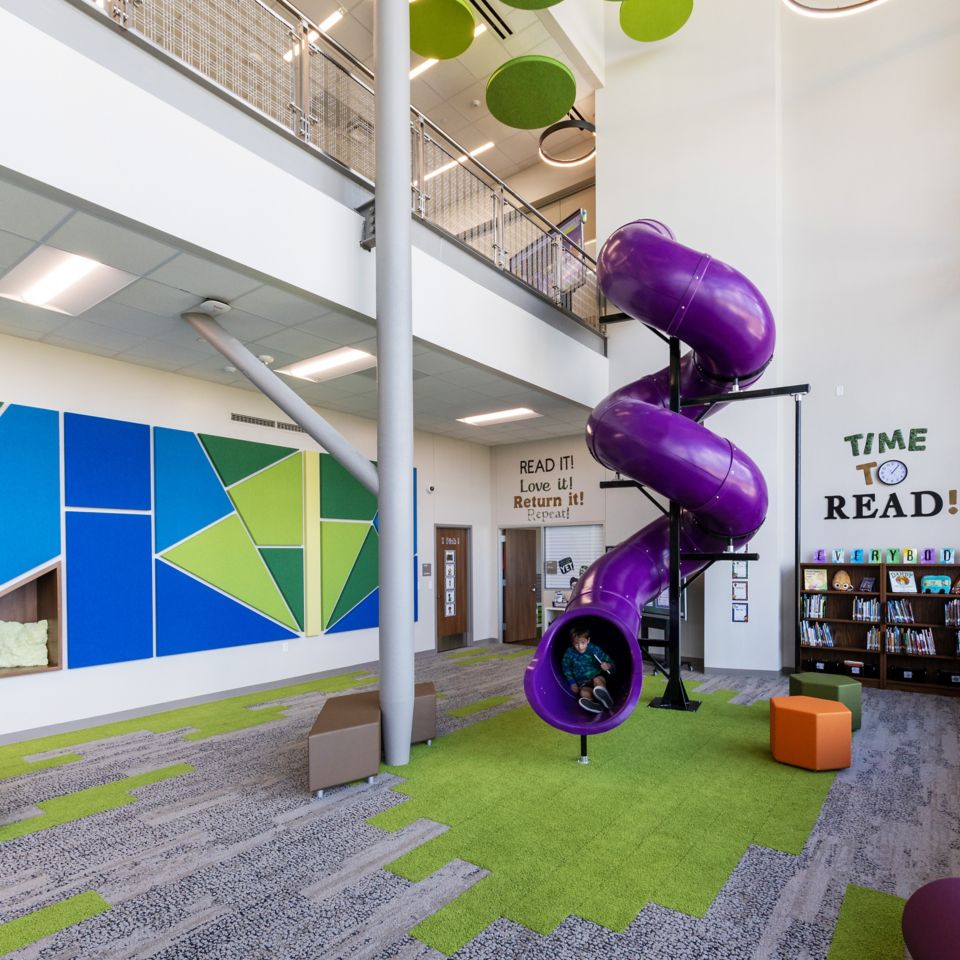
(328, 118)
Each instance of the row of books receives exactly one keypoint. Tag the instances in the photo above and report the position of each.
(873, 639)
(952, 613)
(866, 610)
(815, 634)
(899, 611)
(815, 607)
(918, 642)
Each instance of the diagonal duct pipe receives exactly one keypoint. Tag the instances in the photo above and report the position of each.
(728, 324)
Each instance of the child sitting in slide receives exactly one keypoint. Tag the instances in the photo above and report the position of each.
(584, 664)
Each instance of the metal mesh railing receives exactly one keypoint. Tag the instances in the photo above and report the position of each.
(269, 57)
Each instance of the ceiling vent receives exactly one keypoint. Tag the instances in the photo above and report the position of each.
(492, 19)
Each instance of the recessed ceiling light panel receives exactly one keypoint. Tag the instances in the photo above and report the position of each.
(500, 416)
(328, 366)
(63, 282)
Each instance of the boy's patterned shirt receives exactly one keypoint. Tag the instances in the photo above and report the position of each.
(581, 667)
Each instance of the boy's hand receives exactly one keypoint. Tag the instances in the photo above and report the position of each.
(606, 666)
(575, 687)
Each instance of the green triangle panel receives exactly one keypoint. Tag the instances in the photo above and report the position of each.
(224, 556)
(236, 459)
(286, 565)
(363, 577)
(340, 544)
(271, 503)
(341, 496)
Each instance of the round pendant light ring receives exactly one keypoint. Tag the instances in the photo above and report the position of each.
(559, 127)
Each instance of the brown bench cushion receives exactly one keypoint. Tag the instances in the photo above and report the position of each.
(424, 710)
(344, 742)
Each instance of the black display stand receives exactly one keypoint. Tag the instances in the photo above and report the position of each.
(675, 695)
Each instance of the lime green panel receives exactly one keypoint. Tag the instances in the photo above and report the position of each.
(651, 20)
(531, 91)
(85, 803)
(530, 4)
(441, 29)
(271, 503)
(286, 565)
(341, 496)
(224, 556)
(478, 706)
(340, 543)
(236, 459)
(363, 577)
(43, 923)
(869, 925)
(204, 720)
(313, 583)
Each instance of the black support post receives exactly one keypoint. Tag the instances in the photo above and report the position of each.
(797, 401)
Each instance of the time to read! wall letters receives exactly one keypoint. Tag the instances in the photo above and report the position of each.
(887, 469)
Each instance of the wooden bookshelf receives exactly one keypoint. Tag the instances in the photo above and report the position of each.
(917, 672)
(33, 598)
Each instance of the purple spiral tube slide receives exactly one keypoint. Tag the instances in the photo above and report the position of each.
(722, 316)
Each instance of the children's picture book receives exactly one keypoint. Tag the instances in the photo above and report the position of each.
(902, 581)
(868, 585)
(815, 578)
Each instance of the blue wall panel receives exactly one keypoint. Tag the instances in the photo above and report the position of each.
(188, 492)
(363, 616)
(192, 616)
(29, 489)
(106, 463)
(109, 588)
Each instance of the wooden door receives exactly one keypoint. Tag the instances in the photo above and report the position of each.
(520, 586)
(453, 587)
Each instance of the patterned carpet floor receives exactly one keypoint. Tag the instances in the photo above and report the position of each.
(201, 841)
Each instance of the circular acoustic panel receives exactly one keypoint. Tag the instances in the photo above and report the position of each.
(440, 29)
(531, 91)
(650, 20)
(530, 4)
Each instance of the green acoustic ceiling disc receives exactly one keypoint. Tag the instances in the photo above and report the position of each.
(530, 4)
(440, 29)
(650, 20)
(530, 92)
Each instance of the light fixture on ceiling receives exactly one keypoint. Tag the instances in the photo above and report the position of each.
(422, 68)
(63, 282)
(826, 13)
(478, 29)
(483, 148)
(570, 123)
(500, 416)
(313, 35)
(328, 366)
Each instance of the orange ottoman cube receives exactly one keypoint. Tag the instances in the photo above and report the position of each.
(811, 733)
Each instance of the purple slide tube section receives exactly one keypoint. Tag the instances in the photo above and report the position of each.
(722, 316)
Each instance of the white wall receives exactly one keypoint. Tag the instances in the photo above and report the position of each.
(687, 134)
(37, 374)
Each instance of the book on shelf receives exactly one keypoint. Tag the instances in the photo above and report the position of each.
(873, 639)
(866, 610)
(951, 613)
(815, 578)
(815, 608)
(902, 581)
(900, 611)
(814, 634)
(868, 584)
(918, 642)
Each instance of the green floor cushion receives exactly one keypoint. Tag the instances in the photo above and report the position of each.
(827, 686)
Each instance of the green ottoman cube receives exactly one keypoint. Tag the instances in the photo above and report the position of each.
(827, 686)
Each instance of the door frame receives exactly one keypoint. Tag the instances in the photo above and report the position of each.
(469, 577)
(501, 535)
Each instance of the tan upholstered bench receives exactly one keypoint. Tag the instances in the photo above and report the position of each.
(424, 711)
(344, 742)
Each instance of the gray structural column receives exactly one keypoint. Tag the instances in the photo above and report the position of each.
(294, 406)
(394, 374)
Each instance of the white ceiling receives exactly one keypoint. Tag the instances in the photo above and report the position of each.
(141, 324)
(447, 91)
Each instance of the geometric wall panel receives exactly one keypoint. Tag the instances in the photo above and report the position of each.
(191, 617)
(236, 459)
(340, 545)
(29, 489)
(363, 616)
(109, 588)
(223, 555)
(341, 496)
(188, 491)
(286, 565)
(363, 578)
(271, 503)
(106, 463)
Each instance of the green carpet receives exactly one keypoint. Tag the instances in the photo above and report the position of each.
(669, 803)
(479, 706)
(42, 923)
(868, 927)
(487, 657)
(205, 720)
(85, 803)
